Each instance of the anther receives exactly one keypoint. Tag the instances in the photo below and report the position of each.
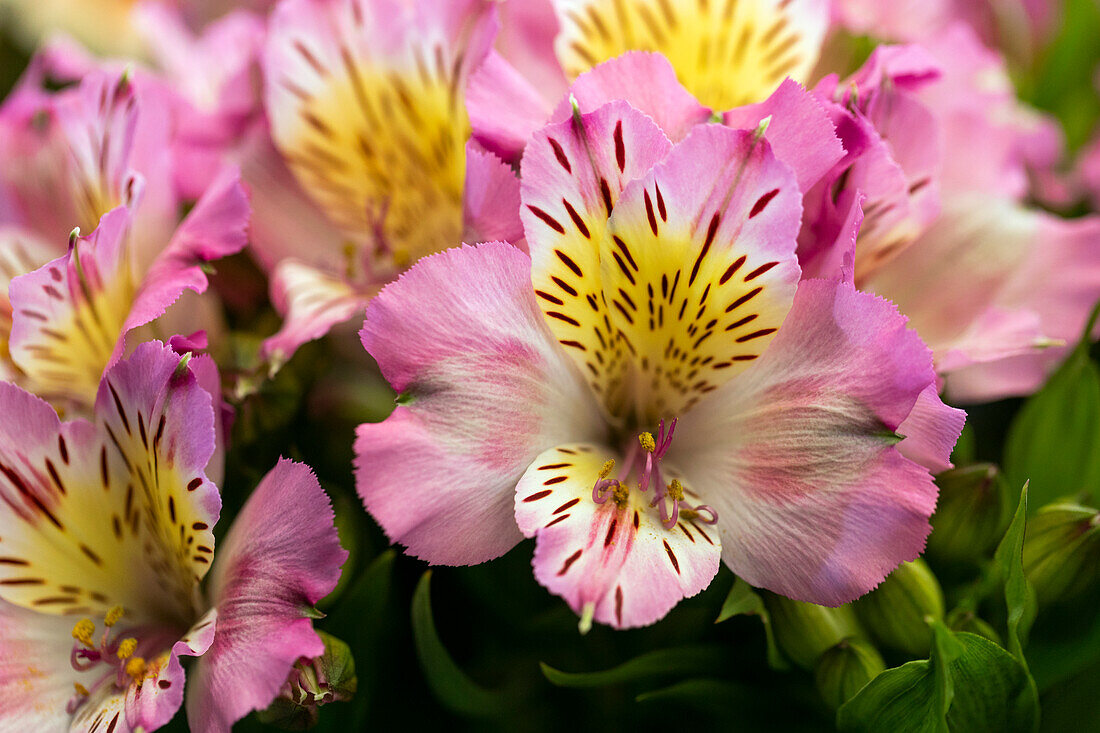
(135, 667)
(620, 494)
(676, 490)
(126, 648)
(647, 442)
(80, 689)
(83, 631)
(113, 616)
(608, 467)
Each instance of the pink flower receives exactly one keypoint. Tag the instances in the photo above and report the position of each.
(725, 54)
(108, 525)
(371, 165)
(99, 149)
(939, 152)
(653, 390)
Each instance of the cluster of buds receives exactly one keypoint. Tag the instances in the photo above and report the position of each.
(1062, 552)
(895, 613)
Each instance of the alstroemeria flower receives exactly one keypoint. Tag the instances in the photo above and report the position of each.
(107, 533)
(366, 106)
(99, 150)
(725, 54)
(939, 150)
(653, 390)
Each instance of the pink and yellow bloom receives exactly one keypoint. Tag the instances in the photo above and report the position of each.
(107, 535)
(939, 156)
(655, 389)
(365, 100)
(98, 156)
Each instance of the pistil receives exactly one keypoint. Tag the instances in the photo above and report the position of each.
(644, 459)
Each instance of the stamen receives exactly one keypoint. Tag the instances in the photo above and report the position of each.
(587, 613)
(712, 517)
(620, 494)
(77, 699)
(135, 667)
(83, 631)
(113, 616)
(126, 648)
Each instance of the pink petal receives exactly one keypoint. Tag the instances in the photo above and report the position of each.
(36, 680)
(996, 268)
(797, 455)
(75, 492)
(931, 431)
(645, 81)
(800, 132)
(703, 253)
(216, 227)
(365, 100)
(486, 390)
(69, 314)
(572, 175)
(312, 302)
(491, 198)
(618, 559)
(285, 222)
(526, 40)
(153, 701)
(281, 556)
(505, 108)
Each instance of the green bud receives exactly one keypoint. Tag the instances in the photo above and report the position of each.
(972, 513)
(1062, 552)
(894, 613)
(962, 619)
(312, 683)
(805, 631)
(842, 671)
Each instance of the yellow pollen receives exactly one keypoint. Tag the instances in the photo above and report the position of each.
(648, 444)
(80, 689)
(126, 648)
(619, 494)
(83, 631)
(135, 667)
(676, 490)
(113, 616)
(608, 467)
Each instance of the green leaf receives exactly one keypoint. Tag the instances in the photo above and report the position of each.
(674, 662)
(1019, 596)
(966, 447)
(743, 600)
(1055, 439)
(970, 685)
(449, 683)
(361, 618)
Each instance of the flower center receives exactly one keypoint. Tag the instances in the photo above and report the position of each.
(115, 651)
(643, 459)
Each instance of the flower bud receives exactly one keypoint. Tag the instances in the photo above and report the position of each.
(843, 670)
(972, 513)
(894, 613)
(804, 631)
(1062, 552)
(312, 683)
(961, 619)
